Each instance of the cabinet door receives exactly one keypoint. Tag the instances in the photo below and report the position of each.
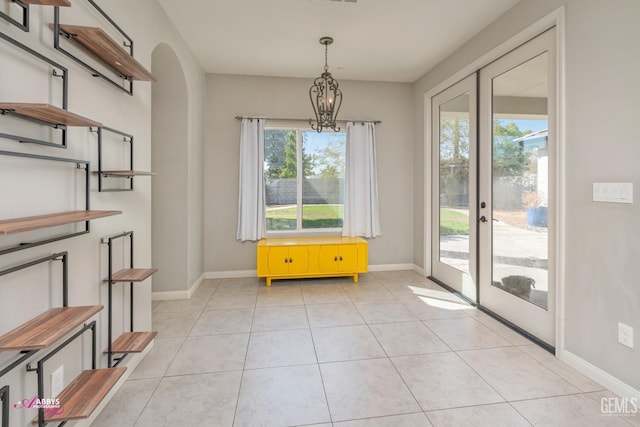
(278, 260)
(329, 258)
(348, 258)
(298, 260)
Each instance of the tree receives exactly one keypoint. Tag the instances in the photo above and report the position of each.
(331, 160)
(454, 146)
(280, 153)
(274, 151)
(509, 157)
(290, 168)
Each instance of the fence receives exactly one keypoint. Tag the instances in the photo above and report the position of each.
(316, 191)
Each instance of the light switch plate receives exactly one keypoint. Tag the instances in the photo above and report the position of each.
(613, 192)
(625, 335)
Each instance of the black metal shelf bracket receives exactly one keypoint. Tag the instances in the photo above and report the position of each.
(27, 354)
(5, 398)
(109, 241)
(24, 23)
(80, 164)
(127, 139)
(126, 84)
(40, 367)
(64, 75)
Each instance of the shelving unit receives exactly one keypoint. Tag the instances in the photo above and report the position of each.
(99, 46)
(23, 24)
(96, 41)
(46, 329)
(82, 396)
(18, 225)
(85, 393)
(47, 113)
(128, 342)
(44, 114)
(127, 173)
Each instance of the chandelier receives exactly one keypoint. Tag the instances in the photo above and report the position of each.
(325, 96)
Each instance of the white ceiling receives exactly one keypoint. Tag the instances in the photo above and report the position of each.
(379, 40)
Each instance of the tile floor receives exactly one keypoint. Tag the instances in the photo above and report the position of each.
(393, 350)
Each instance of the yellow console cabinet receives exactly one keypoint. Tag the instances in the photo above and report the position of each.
(306, 257)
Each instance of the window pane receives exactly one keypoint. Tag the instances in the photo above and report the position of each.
(323, 159)
(280, 173)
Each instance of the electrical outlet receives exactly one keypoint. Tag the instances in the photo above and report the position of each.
(57, 381)
(625, 335)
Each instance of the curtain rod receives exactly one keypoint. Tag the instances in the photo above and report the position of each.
(375, 122)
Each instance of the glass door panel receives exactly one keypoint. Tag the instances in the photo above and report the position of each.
(521, 181)
(454, 188)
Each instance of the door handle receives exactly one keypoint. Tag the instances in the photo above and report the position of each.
(483, 219)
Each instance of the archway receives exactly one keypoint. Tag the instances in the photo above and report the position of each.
(169, 159)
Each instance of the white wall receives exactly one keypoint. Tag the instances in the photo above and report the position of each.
(30, 189)
(228, 96)
(602, 87)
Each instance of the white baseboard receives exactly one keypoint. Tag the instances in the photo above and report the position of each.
(131, 362)
(173, 295)
(252, 273)
(196, 285)
(601, 377)
(391, 267)
(230, 274)
(169, 295)
(419, 270)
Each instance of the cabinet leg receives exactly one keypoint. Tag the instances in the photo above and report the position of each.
(355, 278)
(268, 281)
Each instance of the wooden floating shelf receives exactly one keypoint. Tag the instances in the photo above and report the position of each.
(18, 225)
(132, 342)
(47, 328)
(64, 3)
(48, 113)
(132, 275)
(80, 398)
(96, 41)
(123, 173)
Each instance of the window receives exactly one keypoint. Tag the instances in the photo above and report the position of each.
(304, 179)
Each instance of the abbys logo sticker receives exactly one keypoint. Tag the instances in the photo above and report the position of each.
(50, 406)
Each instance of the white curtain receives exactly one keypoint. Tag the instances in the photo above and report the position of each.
(251, 210)
(361, 213)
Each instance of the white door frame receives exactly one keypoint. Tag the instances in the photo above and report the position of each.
(557, 19)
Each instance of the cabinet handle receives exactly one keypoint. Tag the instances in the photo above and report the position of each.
(335, 258)
(291, 260)
(340, 258)
(286, 260)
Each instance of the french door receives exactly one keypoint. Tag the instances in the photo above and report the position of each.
(511, 205)
(454, 188)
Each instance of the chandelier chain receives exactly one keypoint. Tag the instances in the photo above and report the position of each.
(326, 55)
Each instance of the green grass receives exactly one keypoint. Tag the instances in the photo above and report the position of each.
(453, 223)
(313, 216)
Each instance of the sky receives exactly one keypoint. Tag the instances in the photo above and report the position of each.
(532, 125)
